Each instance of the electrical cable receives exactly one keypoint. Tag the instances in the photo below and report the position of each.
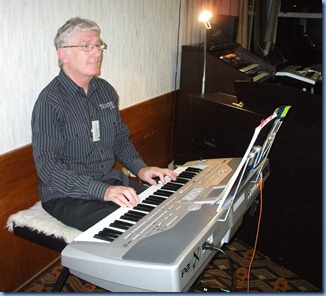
(209, 246)
(260, 182)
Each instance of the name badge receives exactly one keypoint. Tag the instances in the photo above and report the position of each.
(96, 130)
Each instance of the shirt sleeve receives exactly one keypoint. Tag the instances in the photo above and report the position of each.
(126, 153)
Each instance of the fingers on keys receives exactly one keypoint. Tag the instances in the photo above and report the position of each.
(122, 196)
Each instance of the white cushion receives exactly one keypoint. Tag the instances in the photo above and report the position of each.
(36, 218)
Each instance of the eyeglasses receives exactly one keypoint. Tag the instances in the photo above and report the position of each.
(89, 46)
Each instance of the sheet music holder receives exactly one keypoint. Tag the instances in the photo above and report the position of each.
(272, 54)
(254, 157)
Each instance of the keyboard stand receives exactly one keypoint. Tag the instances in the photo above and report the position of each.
(200, 285)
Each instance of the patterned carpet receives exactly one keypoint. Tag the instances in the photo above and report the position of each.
(265, 275)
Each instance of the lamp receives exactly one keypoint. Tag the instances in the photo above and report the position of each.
(204, 17)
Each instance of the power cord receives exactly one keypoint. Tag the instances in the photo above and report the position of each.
(209, 246)
(261, 183)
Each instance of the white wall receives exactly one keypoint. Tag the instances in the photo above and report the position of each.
(140, 63)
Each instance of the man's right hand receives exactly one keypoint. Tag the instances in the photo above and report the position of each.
(122, 196)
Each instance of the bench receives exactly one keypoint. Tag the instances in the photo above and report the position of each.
(36, 225)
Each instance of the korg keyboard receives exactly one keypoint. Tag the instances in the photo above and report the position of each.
(157, 245)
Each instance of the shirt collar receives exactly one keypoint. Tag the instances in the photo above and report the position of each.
(71, 88)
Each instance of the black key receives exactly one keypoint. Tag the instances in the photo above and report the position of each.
(192, 169)
(163, 192)
(176, 183)
(181, 180)
(156, 197)
(109, 239)
(187, 175)
(152, 201)
(110, 231)
(173, 187)
(131, 214)
(137, 214)
(145, 208)
(104, 236)
(129, 217)
(121, 224)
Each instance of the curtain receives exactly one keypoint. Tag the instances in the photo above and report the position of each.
(271, 29)
(195, 30)
(266, 20)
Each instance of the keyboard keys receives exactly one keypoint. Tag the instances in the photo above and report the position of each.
(132, 216)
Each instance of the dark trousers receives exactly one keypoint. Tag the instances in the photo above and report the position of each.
(84, 213)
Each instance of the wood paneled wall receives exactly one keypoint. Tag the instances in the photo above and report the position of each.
(150, 126)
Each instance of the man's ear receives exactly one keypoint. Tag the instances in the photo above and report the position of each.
(63, 55)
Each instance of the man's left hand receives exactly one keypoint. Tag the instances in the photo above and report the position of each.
(148, 174)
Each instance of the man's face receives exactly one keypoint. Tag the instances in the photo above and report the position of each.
(79, 64)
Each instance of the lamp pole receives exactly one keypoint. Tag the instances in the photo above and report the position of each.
(204, 69)
(204, 17)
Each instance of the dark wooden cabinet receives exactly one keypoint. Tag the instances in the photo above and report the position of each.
(220, 77)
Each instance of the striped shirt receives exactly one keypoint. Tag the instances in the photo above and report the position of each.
(69, 162)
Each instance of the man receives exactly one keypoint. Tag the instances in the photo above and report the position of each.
(78, 134)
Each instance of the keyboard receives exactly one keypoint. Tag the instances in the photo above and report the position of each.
(158, 246)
